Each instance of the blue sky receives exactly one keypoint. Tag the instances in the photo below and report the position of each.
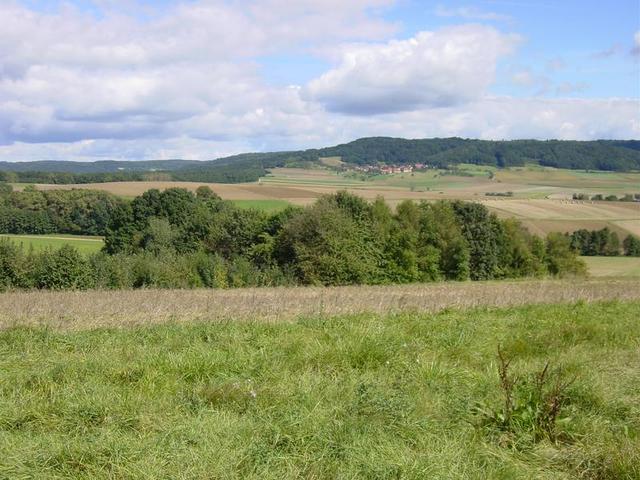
(134, 79)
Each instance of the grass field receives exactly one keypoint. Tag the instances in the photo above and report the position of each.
(356, 396)
(84, 244)
(618, 267)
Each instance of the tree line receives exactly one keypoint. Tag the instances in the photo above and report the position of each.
(604, 242)
(176, 238)
(599, 197)
(78, 212)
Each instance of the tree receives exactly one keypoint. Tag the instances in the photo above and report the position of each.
(631, 246)
(482, 236)
(561, 259)
(331, 243)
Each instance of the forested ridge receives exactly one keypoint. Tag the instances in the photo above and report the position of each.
(606, 155)
(176, 238)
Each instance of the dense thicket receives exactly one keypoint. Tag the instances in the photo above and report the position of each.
(612, 155)
(604, 242)
(177, 238)
(79, 212)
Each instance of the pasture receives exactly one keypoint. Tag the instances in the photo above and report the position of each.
(404, 395)
(83, 244)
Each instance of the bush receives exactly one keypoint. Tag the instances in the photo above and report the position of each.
(13, 266)
(62, 269)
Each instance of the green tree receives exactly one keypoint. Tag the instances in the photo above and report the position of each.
(561, 259)
(631, 246)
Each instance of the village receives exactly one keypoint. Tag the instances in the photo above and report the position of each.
(390, 169)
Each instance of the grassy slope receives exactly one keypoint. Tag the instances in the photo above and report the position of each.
(85, 245)
(361, 396)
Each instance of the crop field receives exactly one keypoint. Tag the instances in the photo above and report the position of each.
(83, 244)
(399, 395)
(615, 267)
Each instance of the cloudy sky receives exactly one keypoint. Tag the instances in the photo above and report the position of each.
(199, 79)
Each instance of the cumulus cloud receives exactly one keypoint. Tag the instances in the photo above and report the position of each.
(67, 75)
(433, 69)
(185, 80)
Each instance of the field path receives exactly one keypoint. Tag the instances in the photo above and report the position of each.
(95, 309)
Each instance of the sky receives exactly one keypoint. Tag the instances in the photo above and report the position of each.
(201, 79)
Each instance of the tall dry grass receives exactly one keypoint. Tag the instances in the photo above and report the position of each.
(92, 309)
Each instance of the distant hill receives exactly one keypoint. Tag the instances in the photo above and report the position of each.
(607, 155)
(102, 166)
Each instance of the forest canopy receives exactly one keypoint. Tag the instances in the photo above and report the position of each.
(177, 238)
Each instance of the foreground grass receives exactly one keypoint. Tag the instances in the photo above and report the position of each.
(360, 396)
(86, 245)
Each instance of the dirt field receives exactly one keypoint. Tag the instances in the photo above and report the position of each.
(80, 310)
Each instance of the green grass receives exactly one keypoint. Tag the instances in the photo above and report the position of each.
(362, 396)
(269, 206)
(613, 266)
(84, 244)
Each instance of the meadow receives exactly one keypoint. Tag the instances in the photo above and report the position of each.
(83, 244)
(404, 395)
(617, 267)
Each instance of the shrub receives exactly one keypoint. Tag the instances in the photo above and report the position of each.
(64, 268)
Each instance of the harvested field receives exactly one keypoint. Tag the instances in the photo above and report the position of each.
(566, 210)
(632, 226)
(81, 310)
(544, 227)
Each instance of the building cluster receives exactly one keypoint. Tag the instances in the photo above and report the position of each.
(389, 169)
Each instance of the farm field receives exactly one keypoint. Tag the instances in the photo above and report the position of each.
(618, 267)
(541, 195)
(350, 396)
(83, 244)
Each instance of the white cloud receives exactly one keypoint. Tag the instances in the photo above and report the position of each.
(471, 13)
(432, 69)
(184, 81)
